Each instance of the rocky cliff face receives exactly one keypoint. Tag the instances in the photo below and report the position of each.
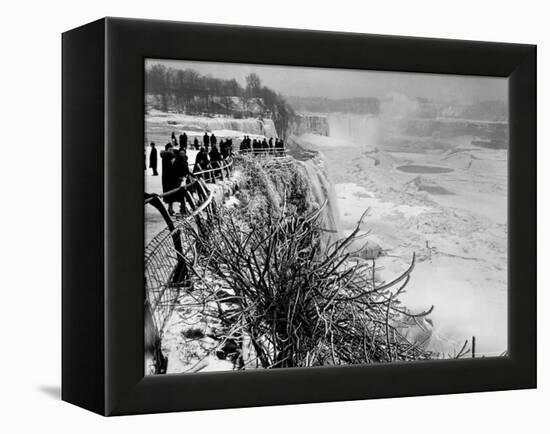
(310, 123)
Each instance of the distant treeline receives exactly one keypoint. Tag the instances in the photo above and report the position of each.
(368, 105)
(185, 90)
(493, 110)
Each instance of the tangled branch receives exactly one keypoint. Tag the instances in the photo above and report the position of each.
(286, 300)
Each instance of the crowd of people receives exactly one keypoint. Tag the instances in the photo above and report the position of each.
(262, 146)
(175, 163)
(211, 155)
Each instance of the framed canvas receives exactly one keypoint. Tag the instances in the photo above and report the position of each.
(257, 216)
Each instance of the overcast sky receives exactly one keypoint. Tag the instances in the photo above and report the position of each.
(342, 83)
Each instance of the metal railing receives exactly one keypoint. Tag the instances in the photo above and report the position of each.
(166, 274)
(276, 152)
(165, 271)
(166, 255)
(215, 172)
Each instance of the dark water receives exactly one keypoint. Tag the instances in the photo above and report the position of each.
(414, 168)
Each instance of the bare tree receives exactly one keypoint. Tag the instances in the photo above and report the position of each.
(297, 301)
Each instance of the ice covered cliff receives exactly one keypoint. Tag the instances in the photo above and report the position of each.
(269, 187)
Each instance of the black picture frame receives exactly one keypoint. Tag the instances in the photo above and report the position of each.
(103, 216)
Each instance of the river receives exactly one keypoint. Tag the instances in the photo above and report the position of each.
(449, 208)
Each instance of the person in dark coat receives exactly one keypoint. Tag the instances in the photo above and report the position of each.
(214, 154)
(205, 140)
(282, 145)
(169, 178)
(181, 166)
(196, 144)
(213, 139)
(180, 169)
(228, 149)
(201, 161)
(173, 140)
(153, 159)
(183, 141)
(215, 159)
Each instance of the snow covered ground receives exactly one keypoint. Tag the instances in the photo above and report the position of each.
(455, 222)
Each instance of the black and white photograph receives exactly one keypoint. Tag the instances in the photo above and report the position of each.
(279, 217)
(301, 217)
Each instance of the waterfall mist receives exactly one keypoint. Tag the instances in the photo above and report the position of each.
(357, 129)
(369, 130)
